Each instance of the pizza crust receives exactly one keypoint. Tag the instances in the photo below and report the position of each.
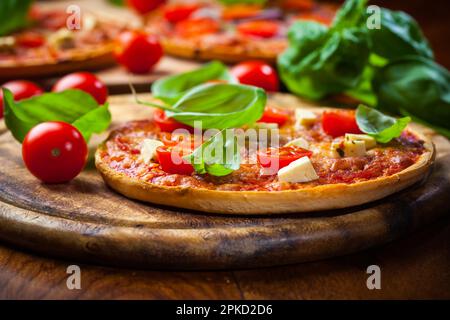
(84, 59)
(324, 197)
(231, 54)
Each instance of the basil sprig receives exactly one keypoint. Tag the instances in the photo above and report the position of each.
(217, 105)
(171, 89)
(13, 15)
(381, 127)
(72, 106)
(218, 156)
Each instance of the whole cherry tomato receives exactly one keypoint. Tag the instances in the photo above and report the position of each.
(84, 81)
(21, 89)
(256, 73)
(138, 51)
(168, 124)
(171, 160)
(144, 6)
(54, 152)
(178, 12)
(277, 158)
(274, 115)
(196, 27)
(259, 28)
(338, 123)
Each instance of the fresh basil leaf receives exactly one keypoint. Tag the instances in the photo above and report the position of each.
(353, 13)
(218, 156)
(95, 121)
(399, 35)
(319, 61)
(417, 86)
(378, 125)
(13, 15)
(172, 88)
(217, 106)
(71, 106)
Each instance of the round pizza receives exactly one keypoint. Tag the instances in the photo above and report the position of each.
(232, 33)
(314, 159)
(46, 46)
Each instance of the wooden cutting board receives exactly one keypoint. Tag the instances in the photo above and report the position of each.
(85, 220)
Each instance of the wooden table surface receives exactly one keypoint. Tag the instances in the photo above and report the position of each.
(415, 267)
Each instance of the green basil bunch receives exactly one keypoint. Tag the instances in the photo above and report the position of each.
(390, 67)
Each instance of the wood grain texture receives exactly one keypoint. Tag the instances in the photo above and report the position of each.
(84, 220)
(417, 267)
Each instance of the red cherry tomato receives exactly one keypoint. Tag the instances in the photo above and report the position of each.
(54, 152)
(138, 51)
(196, 27)
(171, 160)
(277, 158)
(84, 81)
(20, 89)
(144, 6)
(178, 12)
(30, 40)
(274, 115)
(168, 124)
(259, 28)
(338, 123)
(256, 73)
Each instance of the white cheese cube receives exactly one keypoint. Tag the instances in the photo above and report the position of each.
(148, 149)
(300, 170)
(354, 148)
(337, 149)
(368, 140)
(62, 39)
(299, 142)
(304, 117)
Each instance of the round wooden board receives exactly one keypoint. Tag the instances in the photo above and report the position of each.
(85, 220)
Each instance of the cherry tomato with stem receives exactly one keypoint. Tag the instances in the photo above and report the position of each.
(171, 159)
(256, 73)
(137, 51)
(54, 152)
(338, 123)
(21, 89)
(168, 124)
(274, 115)
(83, 81)
(277, 158)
